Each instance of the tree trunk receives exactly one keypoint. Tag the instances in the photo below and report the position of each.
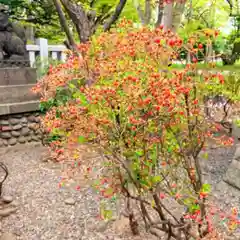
(160, 13)
(177, 14)
(64, 24)
(86, 22)
(146, 14)
(168, 16)
(148, 11)
(79, 18)
(172, 16)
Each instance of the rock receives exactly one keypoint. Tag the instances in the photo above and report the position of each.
(4, 123)
(38, 119)
(35, 138)
(25, 131)
(1, 143)
(232, 176)
(29, 138)
(7, 211)
(6, 128)
(24, 120)
(12, 141)
(70, 201)
(22, 139)
(5, 142)
(7, 199)
(8, 236)
(18, 116)
(102, 226)
(6, 135)
(14, 203)
(121, 224)
(14, 121)
(17, 127)
(33, 126)
(32, 119)
(15, 133)
(38, 131)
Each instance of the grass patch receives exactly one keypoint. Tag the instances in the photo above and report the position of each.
(203, 66)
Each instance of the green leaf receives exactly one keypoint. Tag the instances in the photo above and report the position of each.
(81, 97)
(194, 208)
(81, 139)
(156, 179)
(206, 188)
(72, 86)
(139, 153)
(205, 155)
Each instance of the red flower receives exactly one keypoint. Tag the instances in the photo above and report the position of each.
(195, 101)
(203, 195)
(157, 40)
(221, 78)
(171, 42)
(195, 60)
(162, 195)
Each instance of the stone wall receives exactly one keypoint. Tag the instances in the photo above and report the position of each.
(19, 128)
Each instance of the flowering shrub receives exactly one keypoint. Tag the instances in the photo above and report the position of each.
(146, 122)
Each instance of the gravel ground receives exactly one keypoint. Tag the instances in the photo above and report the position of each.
(214, 169)
(216, 164)
(42, 210)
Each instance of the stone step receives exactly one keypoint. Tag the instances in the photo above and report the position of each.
(17, 93)
(17, 76)
(19, 107)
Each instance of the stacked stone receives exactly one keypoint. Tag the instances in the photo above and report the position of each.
(19, 128)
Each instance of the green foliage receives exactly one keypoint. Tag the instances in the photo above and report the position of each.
(61, 98)
(43, 66)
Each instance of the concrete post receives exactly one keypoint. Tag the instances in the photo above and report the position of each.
(43, 46)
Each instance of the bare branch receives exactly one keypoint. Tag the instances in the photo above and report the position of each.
(230, 6)
(115, 15)
(4, 168)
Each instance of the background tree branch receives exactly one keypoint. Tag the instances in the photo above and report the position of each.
(64, 24)
(115, 15)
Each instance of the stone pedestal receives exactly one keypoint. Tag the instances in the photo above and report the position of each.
(15, 90)
(19, 115)
(17, 76)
